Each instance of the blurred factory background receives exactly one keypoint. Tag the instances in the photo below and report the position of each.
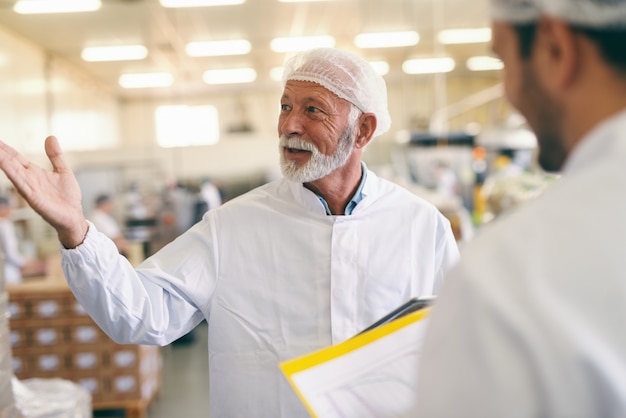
(207, 100)
(157, 101)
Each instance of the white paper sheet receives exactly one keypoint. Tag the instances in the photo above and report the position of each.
(372, 375)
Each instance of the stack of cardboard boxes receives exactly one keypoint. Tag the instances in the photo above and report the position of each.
(52, 336)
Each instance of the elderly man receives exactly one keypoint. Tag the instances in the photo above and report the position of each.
(531, 322)
(298, 264)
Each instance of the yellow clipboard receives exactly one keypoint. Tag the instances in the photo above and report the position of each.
(372, 374)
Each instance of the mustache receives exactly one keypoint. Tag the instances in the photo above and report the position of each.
(296, 142)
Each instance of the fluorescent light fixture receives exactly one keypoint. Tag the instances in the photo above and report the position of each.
(293, 44)
(484, 63)
(381, 67)
(114, 53)
(386, 39)
(302, 1)
(145, 80)
(464, 36)
(229, 76)
(218, 48)
(199, 3)
(428, 65)
(276, 73)
(55, 6)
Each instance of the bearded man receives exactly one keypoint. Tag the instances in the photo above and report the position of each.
(298, 264)
(531, 322)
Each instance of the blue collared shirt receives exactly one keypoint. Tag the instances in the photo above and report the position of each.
(356, 198)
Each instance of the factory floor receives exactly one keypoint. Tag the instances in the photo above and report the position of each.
(185, 379)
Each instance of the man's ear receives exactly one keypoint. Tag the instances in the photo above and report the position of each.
(366, 127)
(560, 50)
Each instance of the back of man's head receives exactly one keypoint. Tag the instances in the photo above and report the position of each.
(601, 21)
(102, 199)
(599, 14)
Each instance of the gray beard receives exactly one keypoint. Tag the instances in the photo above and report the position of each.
(319, 165)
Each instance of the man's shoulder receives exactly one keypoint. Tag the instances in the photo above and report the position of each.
(275, 189)
(399, 194)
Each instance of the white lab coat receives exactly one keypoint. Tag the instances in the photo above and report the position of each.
(531, 323)
(105, 223)
(274, 277)
(10, 252)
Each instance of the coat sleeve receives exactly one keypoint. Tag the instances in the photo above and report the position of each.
(447, 252)
(161, 300)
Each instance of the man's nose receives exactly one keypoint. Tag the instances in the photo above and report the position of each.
(291, 124)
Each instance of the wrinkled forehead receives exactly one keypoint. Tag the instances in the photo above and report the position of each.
(310, 90)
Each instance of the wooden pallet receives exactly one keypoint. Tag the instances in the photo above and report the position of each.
(126, 409)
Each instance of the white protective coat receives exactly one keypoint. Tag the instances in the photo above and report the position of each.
(10, 254)
(274, 277)
(531, 323)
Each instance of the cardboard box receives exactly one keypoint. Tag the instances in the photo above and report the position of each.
(92, 382)
(21, 366)
(82, 359)
(49, 335)
(19, 338)
(18, 309)
(130, 385)
(40, 298)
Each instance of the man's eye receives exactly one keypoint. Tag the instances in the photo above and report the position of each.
(284, 107)
(312, 109)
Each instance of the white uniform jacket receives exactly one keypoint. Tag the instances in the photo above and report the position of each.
(274, 277)
(10, 252)
(532, 322)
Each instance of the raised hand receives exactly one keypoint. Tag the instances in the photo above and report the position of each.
(54, 194)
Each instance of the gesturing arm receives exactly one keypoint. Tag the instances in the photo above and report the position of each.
(54, 194)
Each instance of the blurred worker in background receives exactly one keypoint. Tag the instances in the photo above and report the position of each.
(531, 321)
(16, 265)
(103, 219)
(208, 197)
(295, 265)
(210, 193)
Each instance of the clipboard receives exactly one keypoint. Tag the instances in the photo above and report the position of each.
(370, 375)
(410, 306)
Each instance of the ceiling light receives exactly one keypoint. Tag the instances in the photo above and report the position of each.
(464, 36)
(55, 6)
(485, 63)
(144, 80)
(199, 3)
(386, 39)
(218, 48)
(292, 44)
(381, 67)
(230, 76)
(114, 53)
(428, 65)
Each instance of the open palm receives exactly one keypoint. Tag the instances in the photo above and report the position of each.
(54, 194)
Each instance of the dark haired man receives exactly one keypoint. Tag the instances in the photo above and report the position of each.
(531, 322)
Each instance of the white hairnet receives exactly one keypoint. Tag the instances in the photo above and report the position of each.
(588, 13)
(348, 76)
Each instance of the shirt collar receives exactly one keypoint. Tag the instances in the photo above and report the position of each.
(598, 142)
(356, 198)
